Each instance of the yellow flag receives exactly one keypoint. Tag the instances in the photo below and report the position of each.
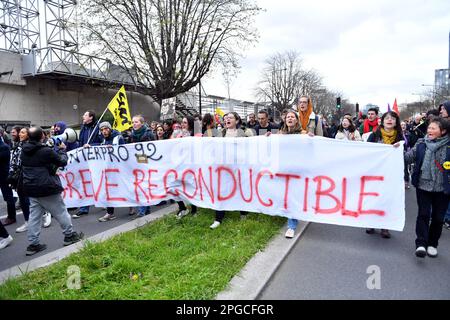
(120, 110)
(220, 112)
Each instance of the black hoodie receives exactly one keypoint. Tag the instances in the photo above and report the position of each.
(39, 165)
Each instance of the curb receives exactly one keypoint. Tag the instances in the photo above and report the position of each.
(252, 279)
(62, 253)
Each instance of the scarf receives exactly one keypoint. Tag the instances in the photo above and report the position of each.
(304, 115)
(430, 170)
(388, 137)
(137, 134)
(368, 124)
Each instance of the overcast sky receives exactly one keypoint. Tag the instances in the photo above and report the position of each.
(371, 50)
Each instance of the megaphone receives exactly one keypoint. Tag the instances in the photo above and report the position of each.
(68, 136)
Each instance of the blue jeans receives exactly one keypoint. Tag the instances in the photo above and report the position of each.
(447, 214)
(53, 204)
(142, 211)
(84, 209)
(292, 223)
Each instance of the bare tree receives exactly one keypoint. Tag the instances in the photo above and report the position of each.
(284, 79)
(416, 107)
(438, 95)
(168, 45)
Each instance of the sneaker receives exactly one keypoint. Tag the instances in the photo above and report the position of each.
(214, 225)
(75, 237)
(447, 225)
(47, 220)
(107, 217)
(8, 221)
(289, 233)
(432, 252)
(132, 211)
(4, 242)
(79, 214)
(370, 231)
(421, 252)
(35, 248)
(385, 234)
(22, 228)
(182, 213)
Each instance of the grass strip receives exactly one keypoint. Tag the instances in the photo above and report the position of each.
(166, 259)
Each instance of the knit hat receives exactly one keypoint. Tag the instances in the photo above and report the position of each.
(62, 127)
(105, 124)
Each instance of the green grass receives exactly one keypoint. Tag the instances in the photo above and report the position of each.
(171, 259)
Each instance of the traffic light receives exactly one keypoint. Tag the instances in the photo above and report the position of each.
(338, 103)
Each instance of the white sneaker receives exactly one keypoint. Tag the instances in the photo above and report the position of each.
(22, 228)
(421, 252)
(289, 233)
(47, 220)
(432, 252)
(214, 225)
(182, 213)
(4, 242)
(107, 217)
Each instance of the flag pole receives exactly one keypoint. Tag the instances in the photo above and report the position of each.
(98, 121)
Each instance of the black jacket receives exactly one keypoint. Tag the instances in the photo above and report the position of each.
(39, 166)
(4, 161)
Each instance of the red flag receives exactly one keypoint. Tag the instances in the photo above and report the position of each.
(395, 107)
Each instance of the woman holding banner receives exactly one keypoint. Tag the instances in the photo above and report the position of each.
(388, 132)
(347, 131)
(431, 156)
(187, 130)
(304, 123)
(233, 123)
(291, 126)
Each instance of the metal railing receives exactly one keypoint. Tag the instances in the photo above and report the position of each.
(60, 61)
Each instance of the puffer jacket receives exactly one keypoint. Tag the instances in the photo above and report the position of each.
(39, 166)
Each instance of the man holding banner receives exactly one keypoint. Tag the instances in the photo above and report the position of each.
(141, 133)
(88, 134)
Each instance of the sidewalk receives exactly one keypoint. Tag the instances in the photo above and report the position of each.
(59, 254)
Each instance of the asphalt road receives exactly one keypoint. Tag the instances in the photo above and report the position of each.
(53, 237)
(335, 262)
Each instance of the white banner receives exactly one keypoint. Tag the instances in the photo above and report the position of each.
(311, 179)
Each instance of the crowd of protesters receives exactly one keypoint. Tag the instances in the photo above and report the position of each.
(426, 149)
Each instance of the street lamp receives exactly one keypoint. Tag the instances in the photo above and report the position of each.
(200, 78)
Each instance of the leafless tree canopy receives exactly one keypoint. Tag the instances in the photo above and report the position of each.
(168, 44)
(284, 79)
